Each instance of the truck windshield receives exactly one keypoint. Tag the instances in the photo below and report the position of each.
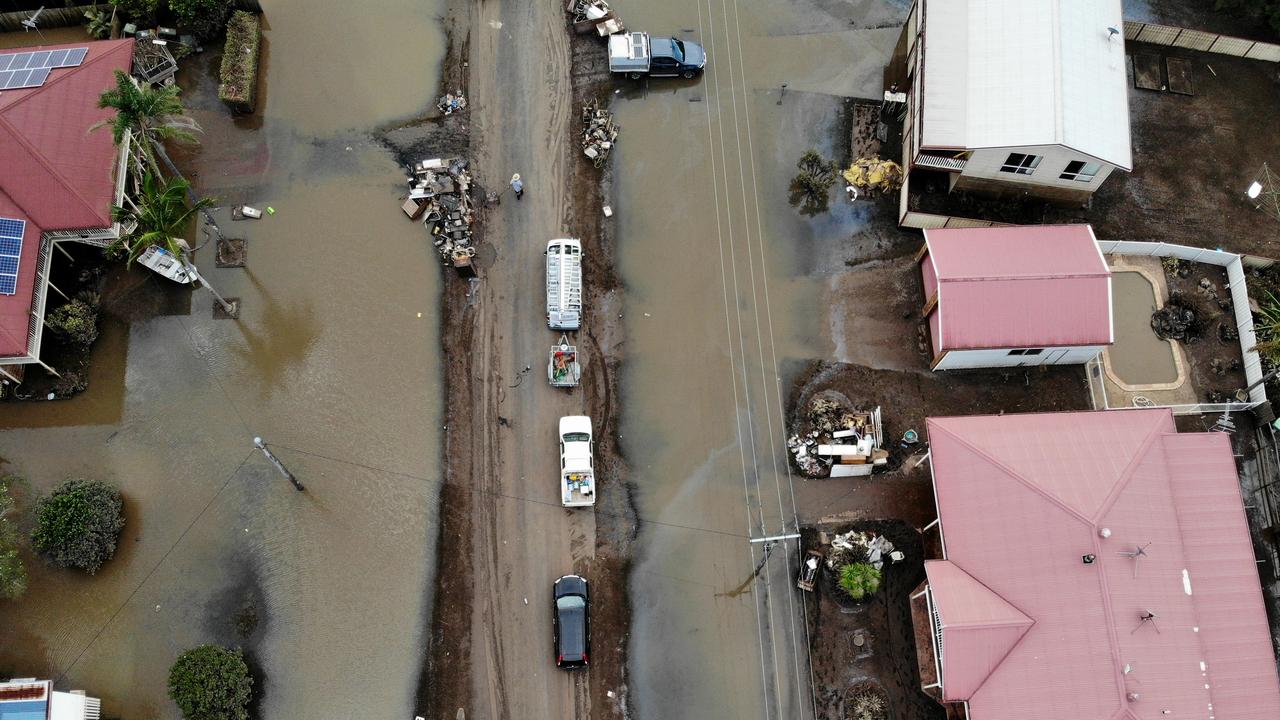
(576, 437)
(677, 48)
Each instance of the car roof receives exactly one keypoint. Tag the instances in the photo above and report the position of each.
(575, 423)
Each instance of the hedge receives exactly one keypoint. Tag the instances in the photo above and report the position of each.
(239, 88)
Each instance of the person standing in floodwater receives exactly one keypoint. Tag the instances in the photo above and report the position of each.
(517, 185)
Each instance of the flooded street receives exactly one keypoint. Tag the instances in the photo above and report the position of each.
(335, 362)
(726, 285)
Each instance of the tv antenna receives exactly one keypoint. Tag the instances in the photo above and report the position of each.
(1138, 552)
(1146, 617)
(31, 23)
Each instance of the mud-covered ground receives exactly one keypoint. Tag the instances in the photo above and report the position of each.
(1194, 157)
(449, 679)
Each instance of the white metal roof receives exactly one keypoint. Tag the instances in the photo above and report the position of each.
(1009, 73)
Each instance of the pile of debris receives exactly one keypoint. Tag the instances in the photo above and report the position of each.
(1177, 320)
(861, 547)
(837, 441)
(451, 103)
(588, 15)
(874, 174)
(440, 194)
(598, 132)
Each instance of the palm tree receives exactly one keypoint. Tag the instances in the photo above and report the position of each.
(152, 114)
(161, 214)
(859, 580)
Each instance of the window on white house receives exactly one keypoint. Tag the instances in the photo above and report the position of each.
(1033, 351)
(1080, 171)
(1020, 164)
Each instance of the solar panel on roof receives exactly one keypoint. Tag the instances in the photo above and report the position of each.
(11, 231)
(31, 69)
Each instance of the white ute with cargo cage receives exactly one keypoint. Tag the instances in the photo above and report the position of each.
(564, 284)
(637, 54)
(577, 477)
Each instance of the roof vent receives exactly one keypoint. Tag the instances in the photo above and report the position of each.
(1104, 532)
(1133, 697)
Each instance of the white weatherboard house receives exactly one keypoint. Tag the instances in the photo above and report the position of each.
(31, 699)
(1015, 296)
(1017, 96)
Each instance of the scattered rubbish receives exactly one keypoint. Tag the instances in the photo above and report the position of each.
(271, 210)
(450, 103)
(250, 212)
(599, 133)
(440, 195)
(1177, 320)
(837, 441)
(874, 174)
(588, 15)
(861, 546)
(608, 211)
(809, 571)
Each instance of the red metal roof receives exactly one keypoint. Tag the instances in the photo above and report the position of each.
(54, 172)
(1019, 287)
(1022, 498)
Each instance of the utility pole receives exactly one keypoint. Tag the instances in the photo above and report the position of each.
(258, 443)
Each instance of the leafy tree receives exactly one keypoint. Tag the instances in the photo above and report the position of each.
(152, 114)
(1267, 326)
(210, 682)
(143, 11)
(161, 213)
(811, 186)
(13, 576)
(79, 523)
(97, 23)
(859, 580)
(77, 320)
(206, 19)
(1267, 11)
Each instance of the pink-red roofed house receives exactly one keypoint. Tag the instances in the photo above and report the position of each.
(1015, 296)
(1096, 566)
(58, 179)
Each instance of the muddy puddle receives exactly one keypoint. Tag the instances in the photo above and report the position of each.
(725, 286)
(1138, 357)
(334, 361)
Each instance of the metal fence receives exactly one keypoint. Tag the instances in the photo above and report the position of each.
(1234, 265)
(1200, 40)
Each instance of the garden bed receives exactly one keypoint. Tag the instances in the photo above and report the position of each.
(239, 75)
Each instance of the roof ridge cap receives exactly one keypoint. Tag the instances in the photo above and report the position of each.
(1094, 274)
(1126, 474)
(1009, 651)
(1018, 477)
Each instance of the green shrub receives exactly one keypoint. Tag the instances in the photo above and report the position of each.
(13, 576)
(78, 524)
(142, 12)
(860, 580)
(211, 683)
(204, 18)
(239, 79)
(811, 186)
(77, 320)
(97, 22)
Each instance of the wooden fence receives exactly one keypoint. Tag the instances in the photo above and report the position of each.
(66, 16)
(1200, 40)
(51, 17)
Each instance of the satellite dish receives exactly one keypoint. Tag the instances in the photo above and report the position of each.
(1112, 32)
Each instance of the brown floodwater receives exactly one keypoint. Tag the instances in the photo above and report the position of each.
(1138, 356)
(334, 361)
(725, 286)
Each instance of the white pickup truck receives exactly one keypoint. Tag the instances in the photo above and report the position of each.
(577, 477)
(564, 284)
